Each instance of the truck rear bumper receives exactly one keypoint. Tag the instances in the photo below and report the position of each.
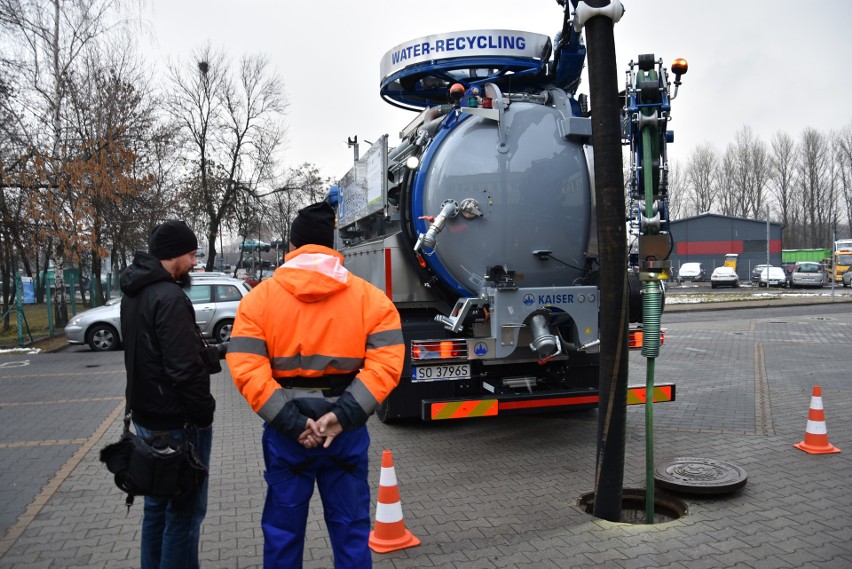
(512, 404)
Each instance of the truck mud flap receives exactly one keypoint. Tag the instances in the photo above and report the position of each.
(510, 404)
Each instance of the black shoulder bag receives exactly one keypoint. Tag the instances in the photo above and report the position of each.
(160, 467)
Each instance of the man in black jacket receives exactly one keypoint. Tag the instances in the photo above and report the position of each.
(168, 383)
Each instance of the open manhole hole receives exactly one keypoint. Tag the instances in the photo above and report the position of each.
(667, 508)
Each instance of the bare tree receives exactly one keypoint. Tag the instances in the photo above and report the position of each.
(728, 195)
(233, 121)
(701, 172)
(750, 173)
(743, 176)
(678, 192)
(782, 182)
(301, 186)
(759, 175)
(843, 157)
(814, 187)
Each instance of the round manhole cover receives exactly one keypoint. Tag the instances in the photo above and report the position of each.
(699, 475)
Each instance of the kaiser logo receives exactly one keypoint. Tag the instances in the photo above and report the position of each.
(480, 349)
(529, 299)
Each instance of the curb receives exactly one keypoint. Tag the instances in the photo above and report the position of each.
(776, 302)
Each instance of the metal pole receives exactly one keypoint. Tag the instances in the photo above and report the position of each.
(833, 262)
(767, 245)
(19, 304)
(72, 280)
(48, 296)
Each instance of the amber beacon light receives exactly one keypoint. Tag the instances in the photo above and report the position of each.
(679, 68)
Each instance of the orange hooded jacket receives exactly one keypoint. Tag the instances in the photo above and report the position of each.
(311, 321)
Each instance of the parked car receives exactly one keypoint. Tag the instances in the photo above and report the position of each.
(261, 275)
(773, 276)
(214, 296)
(847, 278)
(808, 273)
(691, 272)
(724, 276)
(755, 272)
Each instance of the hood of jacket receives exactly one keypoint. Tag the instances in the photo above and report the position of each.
(143, 271)
(312, 273)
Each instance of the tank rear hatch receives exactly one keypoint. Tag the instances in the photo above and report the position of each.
(532, 195)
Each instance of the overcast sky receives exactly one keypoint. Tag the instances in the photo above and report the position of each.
(775, 65)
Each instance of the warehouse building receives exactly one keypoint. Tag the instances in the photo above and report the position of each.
(709, 237)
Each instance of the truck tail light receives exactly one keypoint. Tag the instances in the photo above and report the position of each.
(422, 350)
(635, 338)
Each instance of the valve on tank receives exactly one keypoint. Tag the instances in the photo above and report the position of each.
(545, 344)
(470, 209)
(449, 209)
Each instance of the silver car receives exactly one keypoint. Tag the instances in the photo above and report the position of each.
(807, 273)
(214, 296)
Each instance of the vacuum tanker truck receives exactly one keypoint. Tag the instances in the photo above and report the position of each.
(479, 225)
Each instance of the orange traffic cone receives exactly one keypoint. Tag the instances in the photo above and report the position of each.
(816, 433)
(389, 533)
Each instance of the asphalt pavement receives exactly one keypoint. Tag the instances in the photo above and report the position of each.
(500, 492)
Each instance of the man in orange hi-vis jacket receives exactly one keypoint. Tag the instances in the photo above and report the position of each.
(314, 350)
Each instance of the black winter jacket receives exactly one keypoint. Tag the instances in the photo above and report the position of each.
(163, 350)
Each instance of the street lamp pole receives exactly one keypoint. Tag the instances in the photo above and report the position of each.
(767, 245)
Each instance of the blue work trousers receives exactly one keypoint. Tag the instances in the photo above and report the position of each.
(340, 472)
(171, 527)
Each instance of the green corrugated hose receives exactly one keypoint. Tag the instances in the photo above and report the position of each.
(652, 300)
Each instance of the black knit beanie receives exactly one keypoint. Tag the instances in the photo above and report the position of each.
(171, 239)
(314, 224)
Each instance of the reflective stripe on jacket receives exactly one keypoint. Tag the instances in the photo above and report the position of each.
(314, 318)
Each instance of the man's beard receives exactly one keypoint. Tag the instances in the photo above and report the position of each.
(183, 280)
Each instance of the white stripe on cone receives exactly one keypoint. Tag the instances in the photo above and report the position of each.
(387, 477)
(817, 428)
(389, 513)
(816, 403)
